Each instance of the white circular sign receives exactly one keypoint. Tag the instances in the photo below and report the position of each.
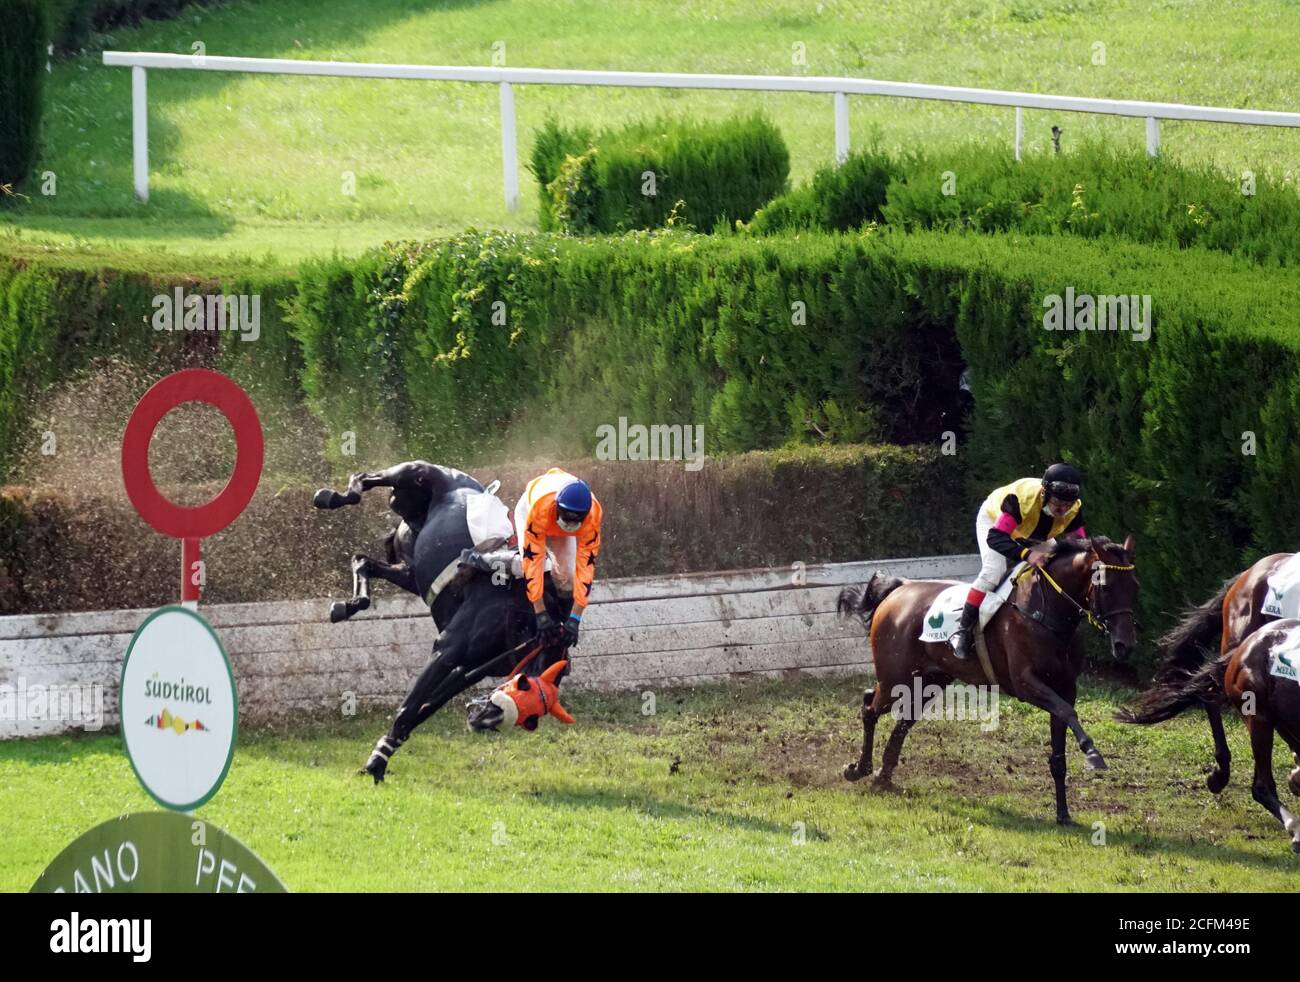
(178, 708)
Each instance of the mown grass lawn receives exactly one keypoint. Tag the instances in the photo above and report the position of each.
(251, 165)
(713, 792)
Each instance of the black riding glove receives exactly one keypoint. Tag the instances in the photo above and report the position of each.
(548, 632)
(571, 630)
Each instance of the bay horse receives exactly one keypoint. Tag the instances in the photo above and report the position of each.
(1241, 680)
(1226, 619)
(485, 622)
(1030, 642)
(1213, 630)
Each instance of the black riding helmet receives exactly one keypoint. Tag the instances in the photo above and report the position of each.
(1062, 481)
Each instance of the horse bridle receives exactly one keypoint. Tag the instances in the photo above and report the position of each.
(1099, 621)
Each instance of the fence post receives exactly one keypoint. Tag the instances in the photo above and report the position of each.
(140, 132)
(1020, 129)
(509, 152)
(841, 127)
(1153, 136)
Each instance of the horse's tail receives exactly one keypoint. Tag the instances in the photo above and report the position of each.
(1195, 639)
(1177, 689)
(862, 601)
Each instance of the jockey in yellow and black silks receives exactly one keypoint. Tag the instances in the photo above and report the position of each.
(1012, 520)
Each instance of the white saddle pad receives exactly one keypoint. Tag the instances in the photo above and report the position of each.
(488, 519)
(944, 616)
(1284, 660)
(1282, 598)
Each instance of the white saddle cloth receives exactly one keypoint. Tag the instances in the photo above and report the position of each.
(944, 616)
(488, 519)
(1282, 598)
(1284, 660)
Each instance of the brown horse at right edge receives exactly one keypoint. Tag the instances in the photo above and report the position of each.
(1032, 650)
(1219, 657)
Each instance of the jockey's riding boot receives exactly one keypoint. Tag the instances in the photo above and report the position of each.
(471, 562)
(963, 639)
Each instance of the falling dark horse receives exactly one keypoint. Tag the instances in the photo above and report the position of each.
(485, 622)
(1030, 640)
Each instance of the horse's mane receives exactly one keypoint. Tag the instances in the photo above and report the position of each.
(1073, 545)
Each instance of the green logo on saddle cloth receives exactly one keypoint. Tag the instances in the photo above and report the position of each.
(936, 621)
(1283, 666)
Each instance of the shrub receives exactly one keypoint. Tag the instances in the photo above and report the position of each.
(639, 176)
(22, 73)
(1094, 192)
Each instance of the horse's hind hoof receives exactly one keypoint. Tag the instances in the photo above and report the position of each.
(1094, 760)
(1216, 782)
(851, 773)
(1066, 822)
(325, 498)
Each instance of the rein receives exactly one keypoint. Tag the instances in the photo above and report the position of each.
(1041, 616)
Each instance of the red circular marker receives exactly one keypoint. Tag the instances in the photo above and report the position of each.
(215, 389)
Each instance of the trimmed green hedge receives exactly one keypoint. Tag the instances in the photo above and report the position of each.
(1095, 192)
(678, 328)
(701, 174)
(22, 75)
(660, 518)
(54, 319)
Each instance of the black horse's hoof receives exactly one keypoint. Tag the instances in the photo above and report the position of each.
(341, 610)
(1094, 760)
(376, 767)
(1216, 782)
(325, 498)
(1065, 821)
(1293, 782)
(851, 772)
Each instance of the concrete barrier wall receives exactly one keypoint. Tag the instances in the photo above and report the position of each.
(645, 632)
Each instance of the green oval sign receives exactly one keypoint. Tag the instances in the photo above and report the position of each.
(157, 852)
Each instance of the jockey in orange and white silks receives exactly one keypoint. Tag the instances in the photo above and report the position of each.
(1012, 520)
(559, 512)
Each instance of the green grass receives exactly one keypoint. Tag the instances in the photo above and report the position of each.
(252, 164)
(597, 806)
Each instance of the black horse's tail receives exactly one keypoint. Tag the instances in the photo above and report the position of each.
(862, 601)
(1191, 673)
(1176, 690)
(1195, 639)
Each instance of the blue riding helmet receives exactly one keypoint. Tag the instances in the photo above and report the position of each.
(572, 504)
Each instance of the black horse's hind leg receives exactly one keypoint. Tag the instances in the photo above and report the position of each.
(1056, 764)
(1218, 779)
(1263, 788)
(870, 715)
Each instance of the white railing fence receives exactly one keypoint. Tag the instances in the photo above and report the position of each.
(507, 78)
